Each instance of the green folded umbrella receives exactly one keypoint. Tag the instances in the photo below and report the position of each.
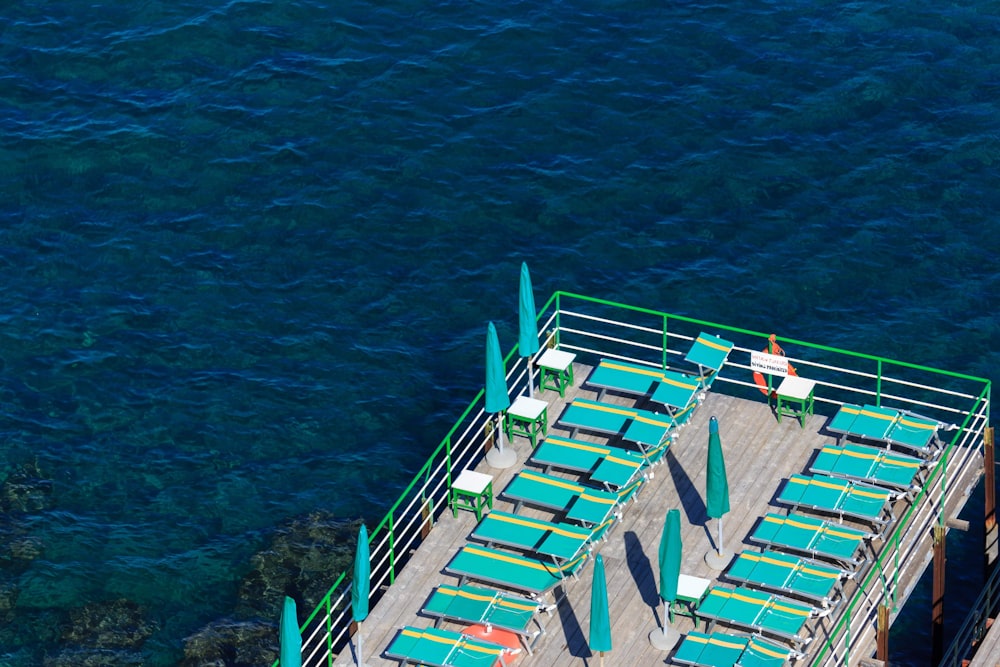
(527, 341)
(361, 585)
(670, 556)
(600, 619)
(290, 641)
(716, 483)
(670, 571)
(497, 399)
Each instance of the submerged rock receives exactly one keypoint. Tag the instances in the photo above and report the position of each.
(25, 490)
(302, 561)
(108, 625)
(94, 657)
(232, 644)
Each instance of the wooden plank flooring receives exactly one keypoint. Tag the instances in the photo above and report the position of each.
(760, 454)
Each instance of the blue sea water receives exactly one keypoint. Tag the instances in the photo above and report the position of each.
(248, 248)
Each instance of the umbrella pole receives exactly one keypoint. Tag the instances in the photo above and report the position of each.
(531, 387)
(500, 431)
(602, 658)
(666, 615)
(357, 657)
(722, 549)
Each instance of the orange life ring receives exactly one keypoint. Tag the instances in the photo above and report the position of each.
(758, 377)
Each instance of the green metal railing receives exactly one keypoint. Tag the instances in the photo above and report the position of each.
(594, 329)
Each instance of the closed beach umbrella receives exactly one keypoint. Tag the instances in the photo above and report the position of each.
(527, 342)
(670, 571)
(600, 618)
(716, 490)
(290, 640)
(360, 586)
(497, 399)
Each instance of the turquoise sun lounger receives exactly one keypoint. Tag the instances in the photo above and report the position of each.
(531, 576)
(484, 606)
(613, 467)
(812, 537)
(560, 541)
(789, 575)
(623, 377)
(677, 392)
(869, 464)
(842, 497)
(708, 353)
(756, 611)
(649, 430)
(594, 508)
(887, 425)
(719, 649)
(444, 648)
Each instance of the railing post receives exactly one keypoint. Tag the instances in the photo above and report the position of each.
(990, 520)
(937, 598)
(329, 630)
(392, 549)
(878, 384)
(666, 322)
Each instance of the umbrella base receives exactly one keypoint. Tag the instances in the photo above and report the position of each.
(664, 639)
(718, 561)
(497, 458)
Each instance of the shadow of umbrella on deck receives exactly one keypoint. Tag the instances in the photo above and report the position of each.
(665, 638)
(600, 617)
(717, 494)
(497, 399)
(527, 341)
(360, 588)
(290, 651)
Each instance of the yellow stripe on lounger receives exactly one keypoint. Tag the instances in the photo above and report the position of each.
(770, 603)
(878, 415)
(924, 425)
(876, 457)
(797, 524)
(462, 640)
(469, 595)
(724, 644)
(623, 411)
(521, 521)
(632, 369)
(567, 485)
(767, 651)
(577, 445)
(712, 343)
(839, 487)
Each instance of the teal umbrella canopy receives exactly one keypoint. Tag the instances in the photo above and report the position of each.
(290, 654)
(717, 486)
(670, 556)
(600, 618)
(527, 342)
(497, 399)
(360, 584)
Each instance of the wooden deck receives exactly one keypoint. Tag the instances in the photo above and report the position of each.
(760, 454)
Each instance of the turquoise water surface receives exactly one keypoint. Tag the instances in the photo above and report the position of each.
(248, 249)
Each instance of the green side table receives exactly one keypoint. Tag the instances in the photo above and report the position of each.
(528, 417)
(795, 398)
(472, 491)
(555, 370)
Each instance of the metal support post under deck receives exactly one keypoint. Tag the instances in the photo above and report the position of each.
(937, 598)
(882, 635)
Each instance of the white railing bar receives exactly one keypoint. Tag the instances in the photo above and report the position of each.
(603, 320)
(612, 339)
